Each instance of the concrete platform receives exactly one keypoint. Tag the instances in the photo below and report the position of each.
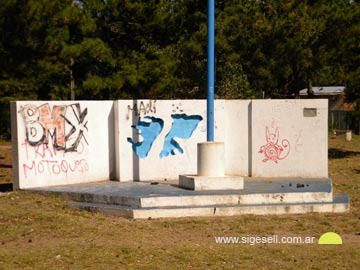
(339, 205)
(195, 182)
(166, 199)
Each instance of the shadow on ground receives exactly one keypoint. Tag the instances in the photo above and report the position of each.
(6, 187)
(335, 153)
(5, 166)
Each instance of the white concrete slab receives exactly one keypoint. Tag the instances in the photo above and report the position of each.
(195, 182)
(237, 137)
(289, 138)
(62, 142)
(157, 200)
(157, 139)
(339, 205)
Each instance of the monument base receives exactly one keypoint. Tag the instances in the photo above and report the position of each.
(194, 182)
(263, 196)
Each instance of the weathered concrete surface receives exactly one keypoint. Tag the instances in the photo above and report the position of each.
(289, 138)
(266, 138)
(62, 142)
(164, 133)
(339, 205)
(259, 196)
(237, 137)
(66, 142)
(211, 159)
(195, 182)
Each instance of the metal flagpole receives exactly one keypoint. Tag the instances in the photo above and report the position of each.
(210, 69)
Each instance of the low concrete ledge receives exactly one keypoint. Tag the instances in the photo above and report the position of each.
(340, 204)
(194, 182)
(227, 198)
(165, 200)
(167, 194)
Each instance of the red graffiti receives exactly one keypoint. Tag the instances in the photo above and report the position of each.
(55, 167)
(44, 159)
(272, 150)
(299, 141)
(58, 125)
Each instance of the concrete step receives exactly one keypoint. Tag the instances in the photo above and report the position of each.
(339, 204)
(194, 182)
(144, 194)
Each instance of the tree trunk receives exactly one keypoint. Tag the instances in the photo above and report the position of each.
(310, 90)
(72, 80)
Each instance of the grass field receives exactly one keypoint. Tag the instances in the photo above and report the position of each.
(39, 232)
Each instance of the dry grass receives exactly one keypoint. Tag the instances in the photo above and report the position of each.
(38, 232)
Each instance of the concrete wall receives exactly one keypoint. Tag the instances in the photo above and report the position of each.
(157, 140)
(62, 142)
(289, 138)
(237, 137)
(263, 138)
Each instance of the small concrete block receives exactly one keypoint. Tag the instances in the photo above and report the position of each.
(194, 182)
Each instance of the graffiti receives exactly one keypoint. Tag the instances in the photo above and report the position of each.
(299, 141)
(47, 131)
(177, 108)
(64, 124)
(272, 150)
(182, 127)
(78, 127)
(142, 108)
(44, 159)
(149, 130)
(54, 167)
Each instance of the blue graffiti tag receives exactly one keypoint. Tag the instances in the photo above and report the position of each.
(149, 130)
(182, 127)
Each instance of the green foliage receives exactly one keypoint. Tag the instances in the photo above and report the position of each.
(157, 49)
(234, 84)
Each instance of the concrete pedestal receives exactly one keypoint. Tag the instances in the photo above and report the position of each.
(211, 170)
(211, 159)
